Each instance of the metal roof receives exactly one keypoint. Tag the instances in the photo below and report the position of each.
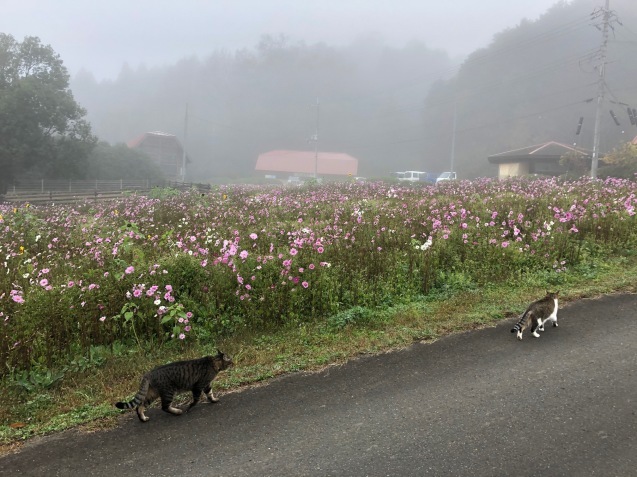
(551, 150)
(305, 162)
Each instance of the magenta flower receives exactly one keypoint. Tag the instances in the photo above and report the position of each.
(243, 254)
(129, 270)
(505, 244)
(305, 284)
(44, 282)
(293, 251)
(254, 236)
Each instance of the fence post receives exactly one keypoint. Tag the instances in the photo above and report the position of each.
(70, 181)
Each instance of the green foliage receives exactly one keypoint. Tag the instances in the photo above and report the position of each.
(622, 162)
(108, 162)
(352, 316)
(43, 131)
(37, 379)
(177, 269)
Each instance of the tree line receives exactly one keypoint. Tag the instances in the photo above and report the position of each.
(394, 108)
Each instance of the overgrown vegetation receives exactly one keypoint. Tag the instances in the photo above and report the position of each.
(285, 279)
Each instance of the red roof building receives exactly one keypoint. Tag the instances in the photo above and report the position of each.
(164, 149)
(307, 163)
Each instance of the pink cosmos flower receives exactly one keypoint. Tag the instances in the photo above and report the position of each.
(254, 236)
(305, 284)
(129, 270)
(505, 244)
(293, 251)
(44, 282)
(243, 254)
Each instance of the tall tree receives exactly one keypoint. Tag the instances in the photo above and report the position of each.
(42, 127)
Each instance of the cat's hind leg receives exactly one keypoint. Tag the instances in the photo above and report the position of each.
(166, 405)
(537, 325)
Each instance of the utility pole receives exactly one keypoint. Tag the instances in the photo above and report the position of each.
(601, 85)
(183, 157)
(453, 137)
(316, 139)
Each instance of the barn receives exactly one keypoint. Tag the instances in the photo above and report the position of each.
(164, 149)
(307, 164)
(541, 159)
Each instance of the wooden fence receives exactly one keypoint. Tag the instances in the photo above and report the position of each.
(68, 191)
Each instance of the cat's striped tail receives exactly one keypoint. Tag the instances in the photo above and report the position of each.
(518, 325)
(139, 397)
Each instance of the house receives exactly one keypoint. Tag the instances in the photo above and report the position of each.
(542, 159)
(164, 149)
(307, 163)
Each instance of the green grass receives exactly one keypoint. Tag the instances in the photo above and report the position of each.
(85, 395)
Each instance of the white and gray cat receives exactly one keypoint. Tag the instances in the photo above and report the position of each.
(538, 313)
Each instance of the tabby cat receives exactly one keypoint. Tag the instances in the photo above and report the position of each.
(165, 381)
(538, 313)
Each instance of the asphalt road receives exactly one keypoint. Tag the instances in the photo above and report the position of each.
(475, 404)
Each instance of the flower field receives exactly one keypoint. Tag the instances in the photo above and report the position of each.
(194, 267)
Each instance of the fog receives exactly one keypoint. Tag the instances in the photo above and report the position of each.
(100, 36)
(400, 84)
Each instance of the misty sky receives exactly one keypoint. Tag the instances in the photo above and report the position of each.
(100, 35)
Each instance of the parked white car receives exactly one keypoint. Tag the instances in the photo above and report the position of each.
(413, 176)
(446, 176)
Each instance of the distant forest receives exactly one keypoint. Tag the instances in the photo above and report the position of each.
(392, 108)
